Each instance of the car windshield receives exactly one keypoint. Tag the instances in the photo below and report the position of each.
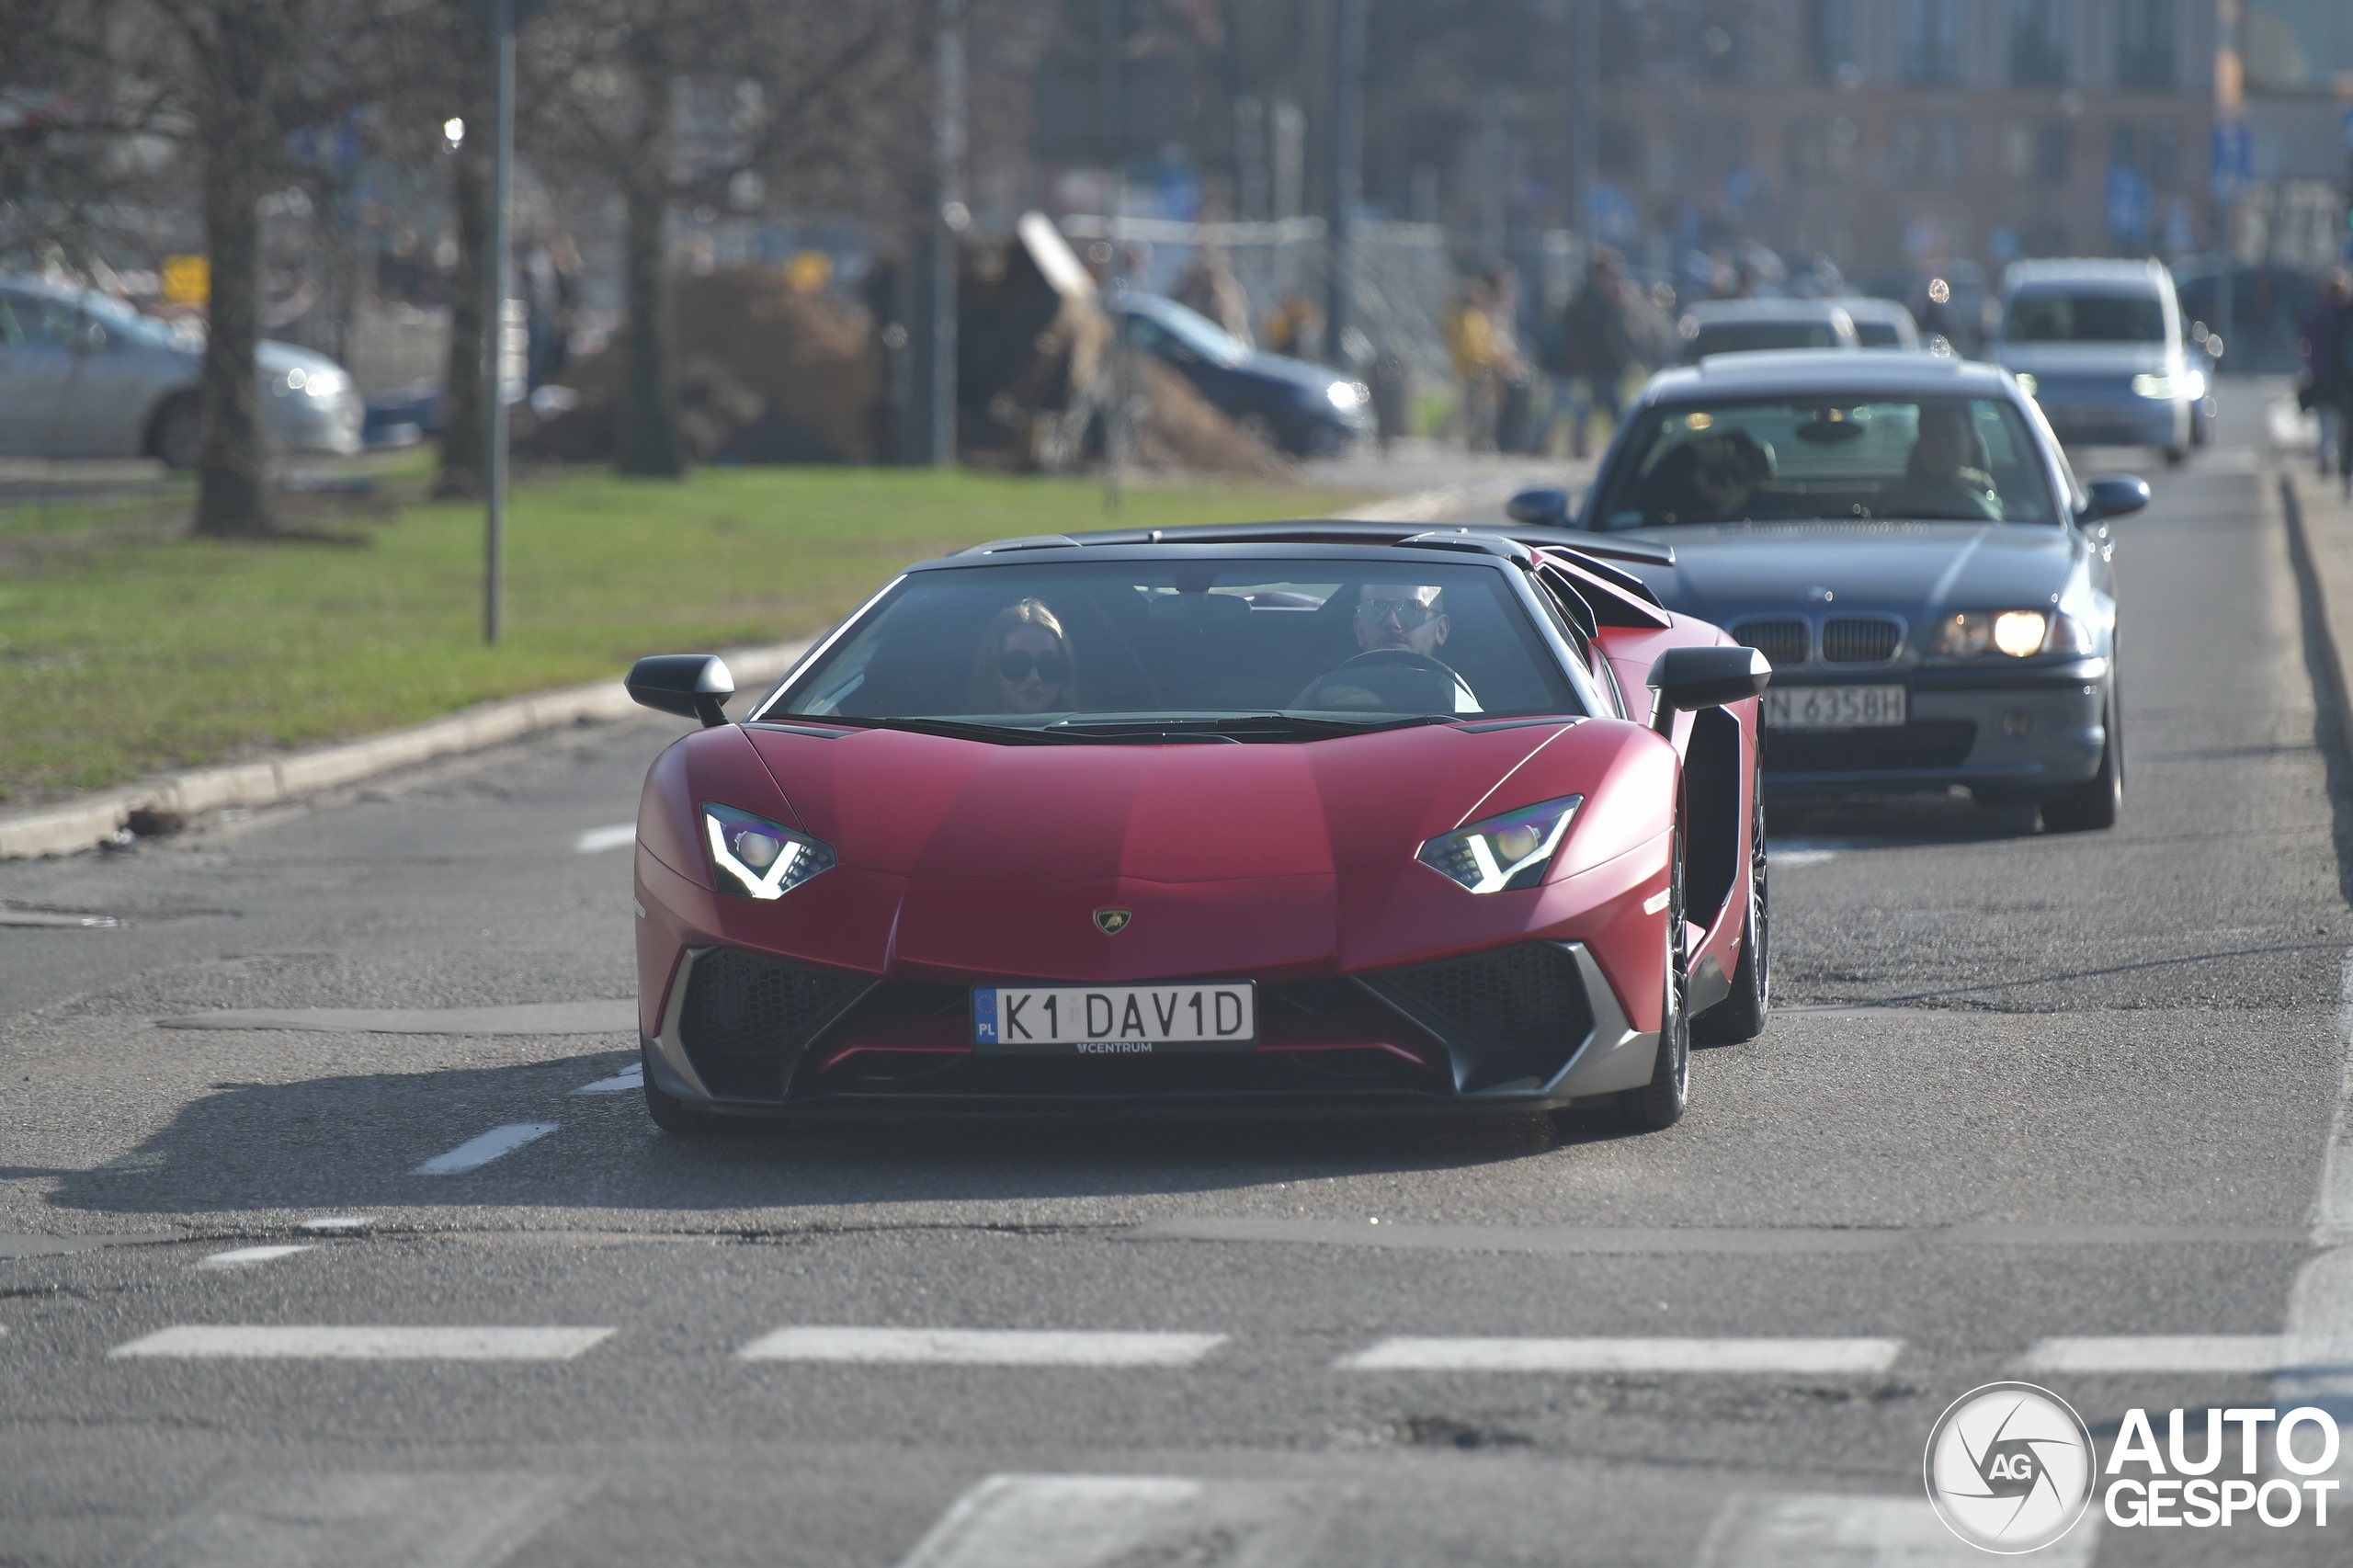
(1191, 328)
(1321, 646)
(1749, 336)
(2085, 318)
(1830, 457)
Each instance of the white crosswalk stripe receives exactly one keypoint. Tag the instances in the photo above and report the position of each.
(1819, 1358)
(361, 1519)
(1834, 1530)
(2244, 1353)
(981, 1347)
(1097, 1521)
(359, 1343)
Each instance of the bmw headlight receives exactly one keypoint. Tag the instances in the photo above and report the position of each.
(757, 858)
(2158, 387)
(1506, 853)
(2019, 633)
(1345, 395)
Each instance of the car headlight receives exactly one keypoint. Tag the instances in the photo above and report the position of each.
(2016, 632)
(757, 858)
(1506, 853)
(2157, 386)
(2027, 383)
(1345, 395)
(322, 386)
(2193, 384)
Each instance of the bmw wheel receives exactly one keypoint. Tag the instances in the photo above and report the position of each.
(1660, 1102)
(2099, 800)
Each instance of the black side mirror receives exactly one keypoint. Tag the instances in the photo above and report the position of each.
(693, 686)
(2116, 494)
(1691, 678)
(1546, 506)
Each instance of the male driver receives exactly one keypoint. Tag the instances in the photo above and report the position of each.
(1402, 615)
(1406, 622)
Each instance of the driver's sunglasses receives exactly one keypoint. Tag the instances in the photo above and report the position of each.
(1409, 612)
(1051, 667)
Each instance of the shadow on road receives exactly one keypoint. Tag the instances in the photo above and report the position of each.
(351, 1141)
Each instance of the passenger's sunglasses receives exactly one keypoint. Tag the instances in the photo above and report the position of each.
(1051, 667)
(1409, 612)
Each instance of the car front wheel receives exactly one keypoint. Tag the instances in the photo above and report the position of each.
(1660, 1103)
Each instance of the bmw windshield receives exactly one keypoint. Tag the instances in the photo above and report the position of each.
(1291, 648)
(1930, 459)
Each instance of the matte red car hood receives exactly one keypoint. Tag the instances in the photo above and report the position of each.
(941, 810)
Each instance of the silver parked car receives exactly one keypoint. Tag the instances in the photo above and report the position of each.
(1749, 327)
(83, 375)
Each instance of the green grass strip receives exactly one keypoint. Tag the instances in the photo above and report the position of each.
(120, 657)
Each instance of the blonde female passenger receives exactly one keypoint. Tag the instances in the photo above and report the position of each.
(1024, 665)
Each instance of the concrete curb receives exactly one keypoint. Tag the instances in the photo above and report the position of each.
(2320, 563)
(63, 830)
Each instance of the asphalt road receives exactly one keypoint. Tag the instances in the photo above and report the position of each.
(2021, 1088)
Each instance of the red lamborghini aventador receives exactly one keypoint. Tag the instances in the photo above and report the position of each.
(1308, 816)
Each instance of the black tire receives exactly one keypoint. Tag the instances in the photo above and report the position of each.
(2098, 801)
(1741, 1016)
(670, 1113)
(1660, 1103)
(2176, 456)
(177, 434)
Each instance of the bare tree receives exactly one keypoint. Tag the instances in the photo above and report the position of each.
(733, 102)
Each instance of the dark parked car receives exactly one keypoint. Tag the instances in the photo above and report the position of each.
(1293, 407)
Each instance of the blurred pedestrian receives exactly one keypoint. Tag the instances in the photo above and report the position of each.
(1296, 328)
(2323, 340)
(1514, 379)
(1592, 349)
(1471, 344)
(1208, 286)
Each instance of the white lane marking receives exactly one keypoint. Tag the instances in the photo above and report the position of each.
(1097, 1521)
(328, 1342)
(597, 840)
(629, 1080)
(472, 1520)
(1788, 859)
(44, 918)
(475, 1152)
(1833, 1530)
(613, 1016)
(982, 1347)
(337, 1223)
(2244, 1353)
(238, 1258)
(1828, 1357)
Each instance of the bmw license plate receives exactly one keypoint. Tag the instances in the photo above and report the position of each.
(1832, 707)
(1115, 1020)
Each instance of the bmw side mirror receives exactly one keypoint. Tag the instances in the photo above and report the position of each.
(693, 686)
(1691, 678)
(1546, 506)
(2116, 494)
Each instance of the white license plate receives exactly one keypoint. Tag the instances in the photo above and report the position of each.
(1832, 707)
(1115, 1020)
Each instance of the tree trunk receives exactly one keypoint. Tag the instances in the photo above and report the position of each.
(232, 496)
(649, 405)
(464, 438)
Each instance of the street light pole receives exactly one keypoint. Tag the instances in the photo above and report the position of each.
(948, 225)
(502, 183)
(1347, 169)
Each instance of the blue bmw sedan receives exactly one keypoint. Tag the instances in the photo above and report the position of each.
(1902, 536)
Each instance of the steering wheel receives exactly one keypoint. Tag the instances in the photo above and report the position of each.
(1396, 680)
